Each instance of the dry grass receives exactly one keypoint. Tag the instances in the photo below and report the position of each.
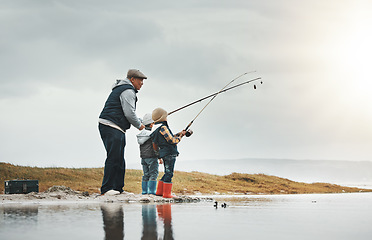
(89, 179)
(80, 179)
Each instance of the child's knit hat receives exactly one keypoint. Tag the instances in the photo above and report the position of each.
(147, 119)
(159, 115)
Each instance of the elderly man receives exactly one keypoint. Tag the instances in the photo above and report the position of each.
(118, 114)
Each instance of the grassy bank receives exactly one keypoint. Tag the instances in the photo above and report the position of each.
(89, 179)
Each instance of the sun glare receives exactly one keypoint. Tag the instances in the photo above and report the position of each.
(352, 55)
(358, 54)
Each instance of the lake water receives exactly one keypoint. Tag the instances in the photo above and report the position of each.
(312, 216)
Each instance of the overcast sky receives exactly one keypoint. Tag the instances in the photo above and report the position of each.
(59, 60)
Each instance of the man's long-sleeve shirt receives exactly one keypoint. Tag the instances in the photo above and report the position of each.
(128, 101)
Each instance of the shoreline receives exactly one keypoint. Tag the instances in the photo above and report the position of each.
(64, 195)
(60, 195)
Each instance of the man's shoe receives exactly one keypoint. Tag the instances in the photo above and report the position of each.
(112, 193)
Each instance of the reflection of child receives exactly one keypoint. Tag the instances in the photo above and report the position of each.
(149, 160)
(165, 214)
(166, 145)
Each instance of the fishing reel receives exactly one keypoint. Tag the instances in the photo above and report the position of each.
(189, 132)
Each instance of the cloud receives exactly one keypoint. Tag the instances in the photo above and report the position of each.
(60, 58)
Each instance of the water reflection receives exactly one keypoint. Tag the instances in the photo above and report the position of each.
(20, 214)
(149, 221)
(113, 221)
(332, 216)
(149, 230)
(165, 214)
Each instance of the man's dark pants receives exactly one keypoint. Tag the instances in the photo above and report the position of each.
(114, 173)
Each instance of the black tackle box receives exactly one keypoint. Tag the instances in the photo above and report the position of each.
(21, 186)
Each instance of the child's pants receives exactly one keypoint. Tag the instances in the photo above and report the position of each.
(150, 167)
(168, 162)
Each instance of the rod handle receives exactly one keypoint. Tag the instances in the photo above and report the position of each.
(189, 125)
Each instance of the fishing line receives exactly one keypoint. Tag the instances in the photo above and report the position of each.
(214, 96)
(209, 96)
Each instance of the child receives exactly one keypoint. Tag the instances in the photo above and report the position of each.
(149, 159)
(165, 144)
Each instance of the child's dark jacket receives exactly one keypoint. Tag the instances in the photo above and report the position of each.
(166, 141)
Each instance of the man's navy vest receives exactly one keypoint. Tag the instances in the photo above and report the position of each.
(113, 110)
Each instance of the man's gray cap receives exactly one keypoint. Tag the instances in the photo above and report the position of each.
(136, 74)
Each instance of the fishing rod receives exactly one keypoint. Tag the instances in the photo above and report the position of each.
(209, 96)
(189, 132)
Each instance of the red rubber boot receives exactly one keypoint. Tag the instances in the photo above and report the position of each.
(167, 192)
(159, 190)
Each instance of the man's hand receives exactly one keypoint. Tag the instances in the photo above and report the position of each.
(142, 127)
